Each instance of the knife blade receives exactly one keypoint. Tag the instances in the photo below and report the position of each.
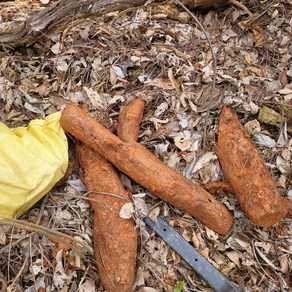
(195, 260)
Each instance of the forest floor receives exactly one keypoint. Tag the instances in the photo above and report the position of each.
(163, 57)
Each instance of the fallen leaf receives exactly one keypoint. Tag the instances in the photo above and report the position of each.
(264, 140)
(161, 109)
(113, 76)
(94, 97)
(34, 109)
(84, 33)
(56, 48)
(127, 211)
(173, 81)
(284, 264)
(119, 72)
(253, 127)
(182, 142)
(36, 267)
(257, 31)
(153, 214)
(77, 184)
(140, 207)
(2, 236)
(87, 286)
(62, 215)
(59, 277)
(62, 65)
(203, 160)
(233, 256)
(147, 289)
(161, 83)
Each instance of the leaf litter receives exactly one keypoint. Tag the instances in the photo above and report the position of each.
(164, 59)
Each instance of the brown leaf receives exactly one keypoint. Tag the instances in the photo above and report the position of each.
(257, 31)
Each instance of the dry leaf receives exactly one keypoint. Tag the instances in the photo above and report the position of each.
(161, 109)
(56, 48)
(113, 76)
(140, 281)
(77, 184)
(34, 109)
(140, 207)
(62, 65)
(257, 31)
(119, 72)
(161, 83)
(264, 140)
(84, 33)
(233, 255)
(36, 267)
(94, 97)
(203, 160)
(87, 286)
(127, 211)
(153, 214)
(253, 127)
(62, 215)
(173, 81)
(182, 142)
(59, 277)
(2, 236)
(147, 289)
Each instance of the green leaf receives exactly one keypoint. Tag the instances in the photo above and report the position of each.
(179, 286)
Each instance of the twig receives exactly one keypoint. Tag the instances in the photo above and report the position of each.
(9, 254)
(261, 267)
(242, 6)
(108, 194)
(20, 270)
(95, 200)
(48, 232)
(11, 244)
(42, 208)
(211, 97)
(153, 271)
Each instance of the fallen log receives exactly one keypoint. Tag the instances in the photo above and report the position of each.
(143, 167)
(247, 173)
(63, 12)
(115, 239)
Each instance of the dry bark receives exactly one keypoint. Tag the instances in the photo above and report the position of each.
(61, 13)
(247, 173)
(143, 167)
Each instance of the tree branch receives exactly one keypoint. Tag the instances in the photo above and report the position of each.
(60, 13)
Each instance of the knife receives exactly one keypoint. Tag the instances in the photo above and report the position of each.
(196, 261)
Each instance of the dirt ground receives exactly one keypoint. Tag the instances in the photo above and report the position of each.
(162, 57)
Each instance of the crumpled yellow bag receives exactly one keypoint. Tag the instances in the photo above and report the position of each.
(32, 160)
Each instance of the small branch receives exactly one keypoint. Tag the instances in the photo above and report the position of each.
(242, 6)
(54, 234)
(60, 14)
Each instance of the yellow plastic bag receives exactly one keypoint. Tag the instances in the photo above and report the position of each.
(32, 160)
